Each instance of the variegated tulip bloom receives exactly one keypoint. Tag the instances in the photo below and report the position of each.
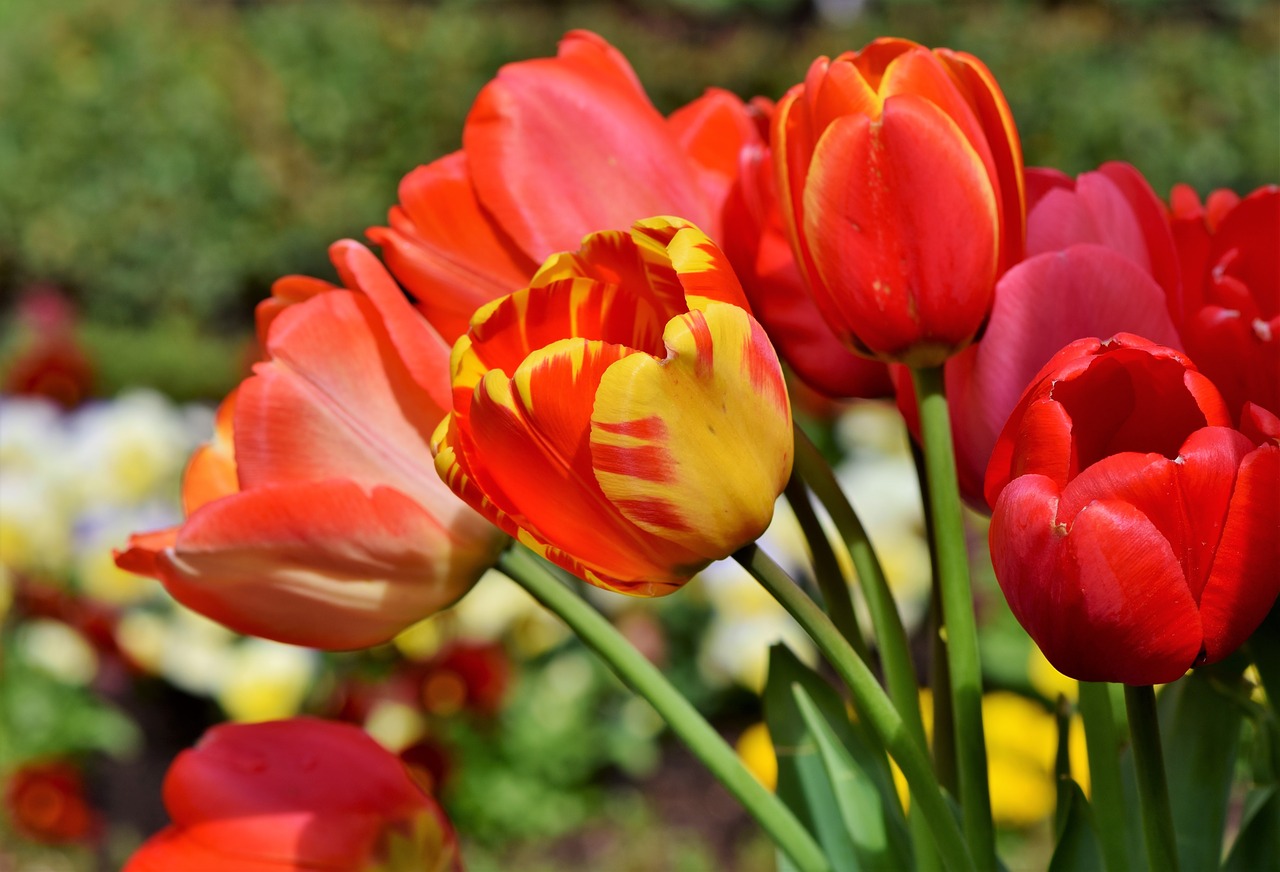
(625, 416)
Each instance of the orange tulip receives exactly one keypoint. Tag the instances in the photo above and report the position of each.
(315, 516)
(900, 176)
(624, 416)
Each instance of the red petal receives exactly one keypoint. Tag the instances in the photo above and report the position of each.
(1105, 600)
(446, 249)
(563, 147)
(1244, 582)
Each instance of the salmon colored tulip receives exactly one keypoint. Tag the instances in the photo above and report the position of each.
(1100, 261)
(624, 416)
(900, 176)
(296, 795)
(1230, 318)
(315, 516)
(1135, 533)
(553, 149)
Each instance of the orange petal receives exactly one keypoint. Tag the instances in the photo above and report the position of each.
(696, 448)
(211, 472)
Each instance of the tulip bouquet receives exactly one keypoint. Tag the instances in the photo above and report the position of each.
(572, 362)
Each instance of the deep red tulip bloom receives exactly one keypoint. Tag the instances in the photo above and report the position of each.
(296, 795)
(624, 416)
(1135, 533)
(1100, 261)
(46, 802)
(1230, 318)
(553, 149)
(900, 176)
(315, 517)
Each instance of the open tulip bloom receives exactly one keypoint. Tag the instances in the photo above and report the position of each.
(545, 365)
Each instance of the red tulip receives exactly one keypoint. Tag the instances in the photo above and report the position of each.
(296, 795)
(553, 149)
(46, 802)
(1135, 534)
(316, 517)
(900, 177)
(624, 416)
(1230, 318)
(1100, 261)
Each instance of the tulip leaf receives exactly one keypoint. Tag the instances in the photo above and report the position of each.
(828, 775)
(1076, 848)
(1257, 847)
(1201, 723)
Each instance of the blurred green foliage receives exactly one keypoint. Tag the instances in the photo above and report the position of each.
(167, 159)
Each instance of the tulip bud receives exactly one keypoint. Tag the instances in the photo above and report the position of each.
(900, 177)
(1134, 533)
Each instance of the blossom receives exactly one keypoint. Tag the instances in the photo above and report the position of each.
(624, 415)
(293, 795)
(1134, 533)
(900, 176)
(315, 516)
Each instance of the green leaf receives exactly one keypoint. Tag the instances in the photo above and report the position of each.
(1201, 724)
(1077, 848)
(1257, 848)
(827, 773)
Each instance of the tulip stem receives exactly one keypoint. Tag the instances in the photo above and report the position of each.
(1153, 789)
(957, 611)
(826, 568)
(871, 702)
(1103, 743)
(891, 638)
(691, 727)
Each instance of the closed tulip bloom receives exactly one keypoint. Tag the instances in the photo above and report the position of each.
(288, 796)
(315, 516)
(1230, 318)
(1135, 534)
(624, 416)
(900, 176)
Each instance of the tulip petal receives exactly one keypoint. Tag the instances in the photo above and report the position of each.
(1072, 588)
(575, 131)
(312, 413)
(532, 432)
(211, 472)
(661, 429)
(1244, 581)
(446, 249)
(871, 207)
(323, 564)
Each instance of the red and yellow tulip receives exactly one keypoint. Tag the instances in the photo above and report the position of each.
(624, 415)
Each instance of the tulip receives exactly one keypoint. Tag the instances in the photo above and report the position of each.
(1100, 261)
(624, 416)
(900, 176)
(315, 516)
(295, 795)
(1230, 318)
(46, 803)
(1134, 534)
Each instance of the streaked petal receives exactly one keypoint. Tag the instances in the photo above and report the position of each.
(694, 448)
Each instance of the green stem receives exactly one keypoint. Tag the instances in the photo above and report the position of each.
(1153, 789)
(870, 701)
(1106, 794)
(826, 568)
(685, 721)
(957, 611)
(891, 638)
